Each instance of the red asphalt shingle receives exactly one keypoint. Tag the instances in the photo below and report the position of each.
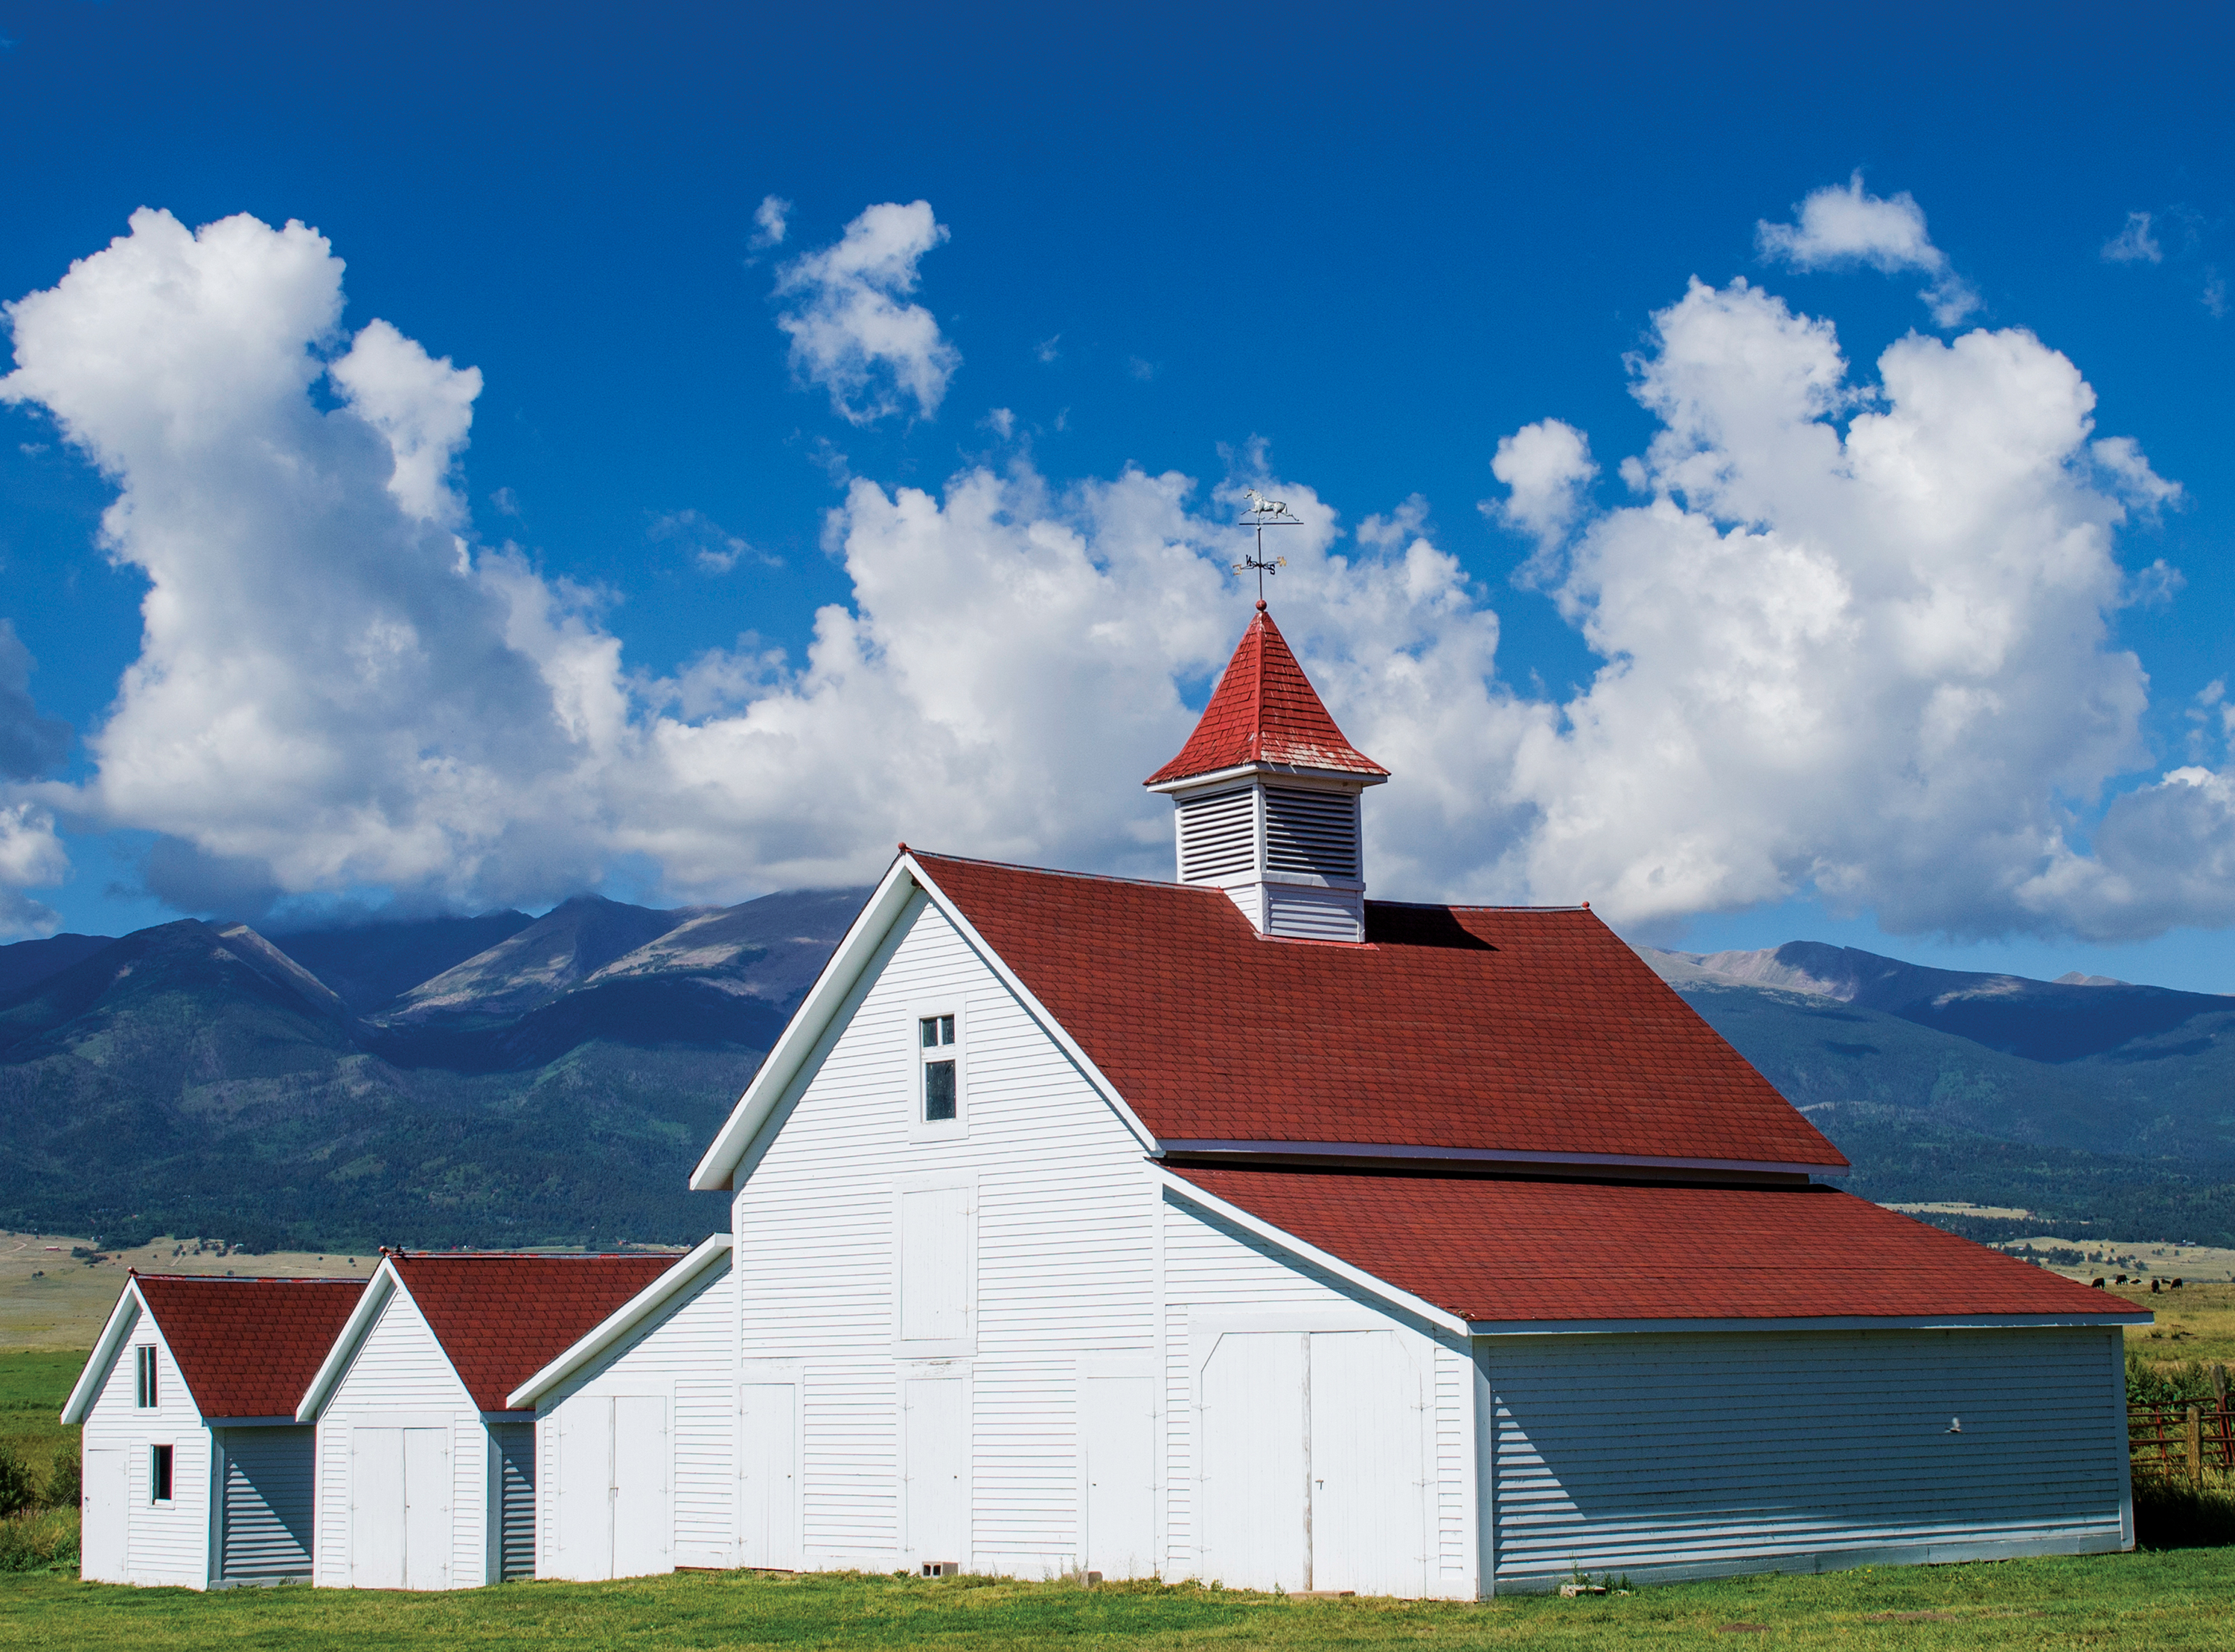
(502, 1319)
(1491, 1249)
(1495, 1029)
(248, 1347)
(1265, 711)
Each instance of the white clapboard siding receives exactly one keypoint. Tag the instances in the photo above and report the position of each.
(264, 1524)
(1216, 1274)
(1064, 1245)
(1665, 1456)
(399, 1370)
(685, 1351)
(166, 1544)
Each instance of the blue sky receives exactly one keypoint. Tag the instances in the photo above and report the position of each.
(1344, 253)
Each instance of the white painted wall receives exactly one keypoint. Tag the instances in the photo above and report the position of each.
(1220, 1280)
(1061, 1227)
(1698, 1455)
(400, 1378)
(166, 1544)
(685, 1357)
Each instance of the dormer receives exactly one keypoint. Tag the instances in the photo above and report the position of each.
(1267, 796)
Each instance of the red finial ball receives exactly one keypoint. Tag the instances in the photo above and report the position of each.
(1261, 605)
(903, 846)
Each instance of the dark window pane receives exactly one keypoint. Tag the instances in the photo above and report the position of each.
(160, 1475)
(946, 1029)
(929, 1028)
(938, 1090)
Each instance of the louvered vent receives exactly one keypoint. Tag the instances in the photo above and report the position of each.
(1218, 835)
(1311, 831)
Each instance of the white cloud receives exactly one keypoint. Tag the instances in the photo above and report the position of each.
(2134, 244)
(770, 222)
(31, 856)
(850, 331)
(1048, 349)
(712, 547)
(1837, 228)
(1872, 663)
(1544, 466)
(31, 743)
(1001, 421)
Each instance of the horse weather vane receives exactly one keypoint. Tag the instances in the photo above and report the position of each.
(1264, 514)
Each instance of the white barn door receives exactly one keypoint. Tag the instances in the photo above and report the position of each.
(640, 1477)
(1312, 1468)
(1368, 1522)
(103, 1543)
(936, 1424)
(1118, 1472)
(400, 1498)
(1255, 1533)
(427, 1494)
(584, 1529)
(768, 1470)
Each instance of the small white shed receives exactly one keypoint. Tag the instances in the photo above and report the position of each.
(426, 1479)
(196, 1473)
(634, 1426)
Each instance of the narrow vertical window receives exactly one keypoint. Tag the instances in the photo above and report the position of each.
(159, 1474)
(942, 1090)
(144, 1378)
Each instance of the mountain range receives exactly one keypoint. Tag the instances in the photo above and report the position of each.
(505, 1079)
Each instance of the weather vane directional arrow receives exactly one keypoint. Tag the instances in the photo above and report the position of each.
(1264, 514)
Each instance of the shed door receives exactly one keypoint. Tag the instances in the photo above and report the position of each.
(515, 1504)
(376, 1508)
(1117, 1444)
(108, 1509)
(640, 1476)
(1255, 1530)
(768, 1466)
(1368, 1519)
(937, 1425)
(585, 1489)
(264, 1524)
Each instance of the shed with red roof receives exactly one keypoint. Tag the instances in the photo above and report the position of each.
(196, 1473)
(1243, 1228)
(427, 1475)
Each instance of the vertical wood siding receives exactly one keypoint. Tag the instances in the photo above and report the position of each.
(166, 1544)
(1212, 1268)
(1064, 1229)
(1665, 1456)
(688, 1352)
(400, 1368)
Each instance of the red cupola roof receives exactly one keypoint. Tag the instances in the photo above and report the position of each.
(1265, 711)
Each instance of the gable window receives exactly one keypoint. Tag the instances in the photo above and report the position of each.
(941, 1061)
(159, 1474)
(143, 1384)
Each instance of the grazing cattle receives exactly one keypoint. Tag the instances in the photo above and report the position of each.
(2097, 1284)
(2121, 1280)
(2153, 1288)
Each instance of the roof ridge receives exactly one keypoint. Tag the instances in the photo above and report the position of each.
(1063, 872)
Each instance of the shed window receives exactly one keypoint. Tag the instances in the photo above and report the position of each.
(159, 1474)
(941, 1068)
(143, 1386)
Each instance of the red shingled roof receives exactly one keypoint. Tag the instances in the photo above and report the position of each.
(248, 1347)
(1512, 1030)
(502, 1319)
(1488, 1249)
(1265, 711)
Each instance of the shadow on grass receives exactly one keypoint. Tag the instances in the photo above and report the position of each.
(2175, 1514)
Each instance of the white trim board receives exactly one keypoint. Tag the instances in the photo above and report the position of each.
(611, 1330)
(1487, 1156)
(1828, 1322)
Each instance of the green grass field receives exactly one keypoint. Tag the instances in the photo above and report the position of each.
(2156, 1600)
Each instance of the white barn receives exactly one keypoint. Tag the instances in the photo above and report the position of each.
(196, 1473)
(634, 1426)
(426, 1477)
(1243, 1229)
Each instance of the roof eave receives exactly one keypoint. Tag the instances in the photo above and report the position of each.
(1540, 1161)
(330, 1368)
(1958, 1322)
(113, 1333)
(1373, 777)
(610, 1331)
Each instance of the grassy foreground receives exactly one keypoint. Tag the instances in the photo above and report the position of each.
(2151, 1600)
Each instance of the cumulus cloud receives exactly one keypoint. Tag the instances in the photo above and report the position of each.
(1544, 467)
(31, 857)
(770, 222)
(1836, 228)
(30, 744)
(1855, 635)
(851, 332)
(2134, 244)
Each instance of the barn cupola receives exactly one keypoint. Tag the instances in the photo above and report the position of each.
(1267, 793)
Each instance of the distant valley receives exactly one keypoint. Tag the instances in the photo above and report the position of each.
(505, 1079)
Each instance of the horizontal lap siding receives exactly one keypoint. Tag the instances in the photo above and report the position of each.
(165, 1543)
(687, 1351)
(400, 1366)
(1745, 1452)
(1212, 1267)
(1064, 1259)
